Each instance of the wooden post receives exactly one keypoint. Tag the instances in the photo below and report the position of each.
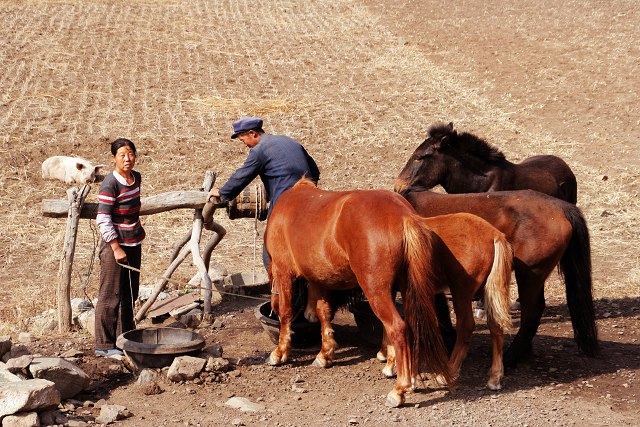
(76, 200)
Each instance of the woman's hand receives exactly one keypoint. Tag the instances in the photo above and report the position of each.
(118, 253)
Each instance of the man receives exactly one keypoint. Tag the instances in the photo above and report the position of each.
(280, 162)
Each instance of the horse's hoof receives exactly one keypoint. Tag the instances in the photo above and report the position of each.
(311, 316)
(381, 357)
(394, 400)
(440, 381)
(493, 386)
(273, 360)
(388, 372)
(319, 363)
(480, 314)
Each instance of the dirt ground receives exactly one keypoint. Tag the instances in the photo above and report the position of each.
(357, 82)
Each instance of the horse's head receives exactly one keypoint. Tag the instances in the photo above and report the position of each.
(426, 167)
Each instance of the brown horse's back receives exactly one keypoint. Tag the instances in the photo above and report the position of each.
(341, 224)
(532, 222)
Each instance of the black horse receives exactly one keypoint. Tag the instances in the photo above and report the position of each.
(464, 163)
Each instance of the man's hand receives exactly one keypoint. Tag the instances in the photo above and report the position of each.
(213, 194)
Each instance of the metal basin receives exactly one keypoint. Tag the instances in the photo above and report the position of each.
(304, 333)
(369, 326)
(157, 347)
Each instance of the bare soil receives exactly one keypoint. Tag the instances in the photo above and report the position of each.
(358, 83)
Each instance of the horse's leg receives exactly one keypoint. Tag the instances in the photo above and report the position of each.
(531, 294)
(313, 297)
(396, 330)
(462, 305)
(325, 357)
(387, 354)
(444, 320)
(497, 369)
(283, 286)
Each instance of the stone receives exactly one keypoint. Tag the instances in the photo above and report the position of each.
(24, 337)
(185, 368)
(147, 376)
(53, 417)
(213, 350)
(192, 318)
(87, 321)
(6, 376)
(44, 323)
(15, 351)
(5, 344)
(68, 377)
(218, 364)
(19, 364)
(27, 396)
(244, 404)
(23, 419)
(72, 354)
(80, 305)
(111, 413)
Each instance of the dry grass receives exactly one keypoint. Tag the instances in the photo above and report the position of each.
(172, 75)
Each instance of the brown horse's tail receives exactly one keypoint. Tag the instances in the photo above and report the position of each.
(496, 291)
(419, 305)
(575, 267)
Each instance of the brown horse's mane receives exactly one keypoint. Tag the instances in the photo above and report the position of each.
(467, 143)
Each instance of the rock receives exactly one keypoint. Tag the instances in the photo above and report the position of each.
(111, 413)
(5, 344)
(77, 423)
(53, 417)
(87, 321)
(149, 389)
(24, 337)
(15, 351)
(218, 364)
(192, 318)
(147, 376)
(68, 377)
(28, 395)
(185, 368)
(6, 376)
(244, 404)
(72, 354)
(44, 323)
(213, 350)
(19, 365)
(80, 305)
(23, 419)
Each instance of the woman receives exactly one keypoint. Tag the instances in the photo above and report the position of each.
(118, 219)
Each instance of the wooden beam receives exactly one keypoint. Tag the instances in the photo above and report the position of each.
(57, 208)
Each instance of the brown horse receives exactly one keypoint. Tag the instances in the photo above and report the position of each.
(477, 258)
(543, 232)
(372, 239)
(464, 163)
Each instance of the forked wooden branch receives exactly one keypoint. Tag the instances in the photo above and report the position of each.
(183, 249)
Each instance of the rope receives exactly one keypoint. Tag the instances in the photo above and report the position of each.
(187, 285)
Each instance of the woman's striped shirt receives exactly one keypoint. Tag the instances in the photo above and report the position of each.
(119, 210)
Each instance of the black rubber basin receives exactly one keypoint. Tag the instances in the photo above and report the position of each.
(157, 347)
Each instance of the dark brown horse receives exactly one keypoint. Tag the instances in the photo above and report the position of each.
(543, 232)
(464, 163)
(372, 239)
